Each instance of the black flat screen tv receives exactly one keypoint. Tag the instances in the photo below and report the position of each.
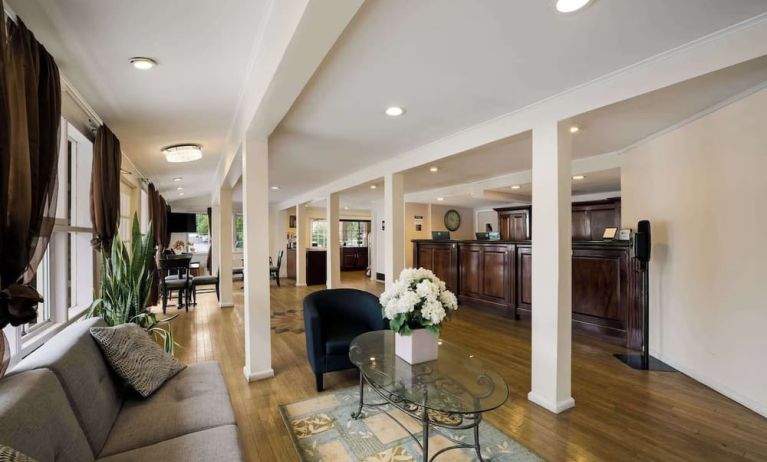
(182, 222)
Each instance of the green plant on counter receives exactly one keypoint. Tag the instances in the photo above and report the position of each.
(125, 285)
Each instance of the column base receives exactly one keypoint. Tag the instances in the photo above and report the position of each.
(258, 375)
(225, 305)
(300, 284)
(555, 407)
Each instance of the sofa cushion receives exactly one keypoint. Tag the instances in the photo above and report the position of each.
(218, 444)
(136, 357)
(195, 399)
(94, 392)
(35, 419)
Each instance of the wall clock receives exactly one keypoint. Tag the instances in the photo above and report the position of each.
(452, 220)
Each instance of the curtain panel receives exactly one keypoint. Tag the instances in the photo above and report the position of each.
(209, 263)
(30, 114)
(105, 189)
(158, 214)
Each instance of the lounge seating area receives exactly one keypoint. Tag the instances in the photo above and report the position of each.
(379, 231)
(64, 403)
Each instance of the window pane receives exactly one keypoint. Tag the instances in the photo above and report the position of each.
(319, 233)
(239, 235)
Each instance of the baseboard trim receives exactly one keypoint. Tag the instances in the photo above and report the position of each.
(551, 406)
(259, 375)
(225, 305)
(759, 408)
(300, 285)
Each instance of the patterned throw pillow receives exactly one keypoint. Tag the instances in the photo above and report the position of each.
(11, 455)
(136, 357)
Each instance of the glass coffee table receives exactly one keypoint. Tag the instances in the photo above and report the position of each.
(451, 392)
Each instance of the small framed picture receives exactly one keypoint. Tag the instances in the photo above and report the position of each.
(609, 233)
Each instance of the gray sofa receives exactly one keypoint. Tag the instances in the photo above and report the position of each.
(64, 403)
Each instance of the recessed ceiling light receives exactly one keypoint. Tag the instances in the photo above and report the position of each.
(179, 188)
(434, 169)
(346, 208)
(143, 63)
(579, 177)
(571, 6)
(180, 194)
(516, 186)
(440, 199)
(394, 111)
(182, 152)
(177, 179)
(372, 186)
(575, 129)
(275, 188)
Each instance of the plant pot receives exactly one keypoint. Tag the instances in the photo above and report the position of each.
(418, 347)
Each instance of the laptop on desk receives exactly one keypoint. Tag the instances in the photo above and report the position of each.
(440, 235)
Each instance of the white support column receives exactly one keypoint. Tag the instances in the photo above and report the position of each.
(394, 220)
(222, 237)
(334, 238)
(215, 230)
(303, 236)
(552, 271)
(255, 205)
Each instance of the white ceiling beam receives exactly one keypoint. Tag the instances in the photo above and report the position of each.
(296, 37)
(727, 47)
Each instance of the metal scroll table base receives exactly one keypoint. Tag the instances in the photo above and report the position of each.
(419, 412)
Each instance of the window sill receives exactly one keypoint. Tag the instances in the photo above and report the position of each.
(35, 340)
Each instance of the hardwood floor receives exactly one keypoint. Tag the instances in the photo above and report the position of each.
(620, 414)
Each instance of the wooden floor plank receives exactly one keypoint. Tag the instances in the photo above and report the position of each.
(620, 414)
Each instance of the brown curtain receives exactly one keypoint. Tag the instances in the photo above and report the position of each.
(209, 263)
(158, 214)
(30, 113)
(105, 188)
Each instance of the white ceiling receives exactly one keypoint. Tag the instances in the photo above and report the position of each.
(203, 49)
(604, 130)
(453, 64)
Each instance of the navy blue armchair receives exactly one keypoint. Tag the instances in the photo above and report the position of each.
(332, 319)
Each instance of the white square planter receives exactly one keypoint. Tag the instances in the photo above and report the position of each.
(418, 347)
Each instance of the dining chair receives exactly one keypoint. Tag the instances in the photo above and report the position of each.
(175, 275)
(274, 270)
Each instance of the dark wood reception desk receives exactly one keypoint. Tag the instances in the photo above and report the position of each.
(496, 275)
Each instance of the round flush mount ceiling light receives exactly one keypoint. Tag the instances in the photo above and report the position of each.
(516, 186)
(179, 188)
(579, 177)
(394, 111)
(180, 194)
(143, 63)
(571, 6)
(182, 153)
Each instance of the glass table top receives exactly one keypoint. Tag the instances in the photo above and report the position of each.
(456, 382)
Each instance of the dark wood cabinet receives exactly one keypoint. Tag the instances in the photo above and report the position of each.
(591, 218)
(497, 275)
(316, 267)
(354, 258)
(441, 259)
(290, 263)
(514, 223)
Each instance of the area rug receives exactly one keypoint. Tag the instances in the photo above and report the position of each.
(322, 430)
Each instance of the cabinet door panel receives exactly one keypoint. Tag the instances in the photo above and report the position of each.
(525, 278)
(495, 274)
(471, 277)
(601, 219)
(580, 225)
(597, 286)
(443, 265)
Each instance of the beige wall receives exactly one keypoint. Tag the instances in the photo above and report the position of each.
(703, 187)
(465, 231)
(411, 211)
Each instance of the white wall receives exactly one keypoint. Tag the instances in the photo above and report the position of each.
(485, 216)
(703, 188)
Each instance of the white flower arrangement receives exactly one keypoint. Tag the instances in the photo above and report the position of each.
(418, 299)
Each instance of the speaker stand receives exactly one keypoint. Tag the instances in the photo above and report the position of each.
(644, 361)
(646, 364)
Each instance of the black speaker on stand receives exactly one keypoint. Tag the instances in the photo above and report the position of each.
(642, 249)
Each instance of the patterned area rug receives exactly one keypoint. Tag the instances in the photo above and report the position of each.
(287, 321)
(323, 430)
